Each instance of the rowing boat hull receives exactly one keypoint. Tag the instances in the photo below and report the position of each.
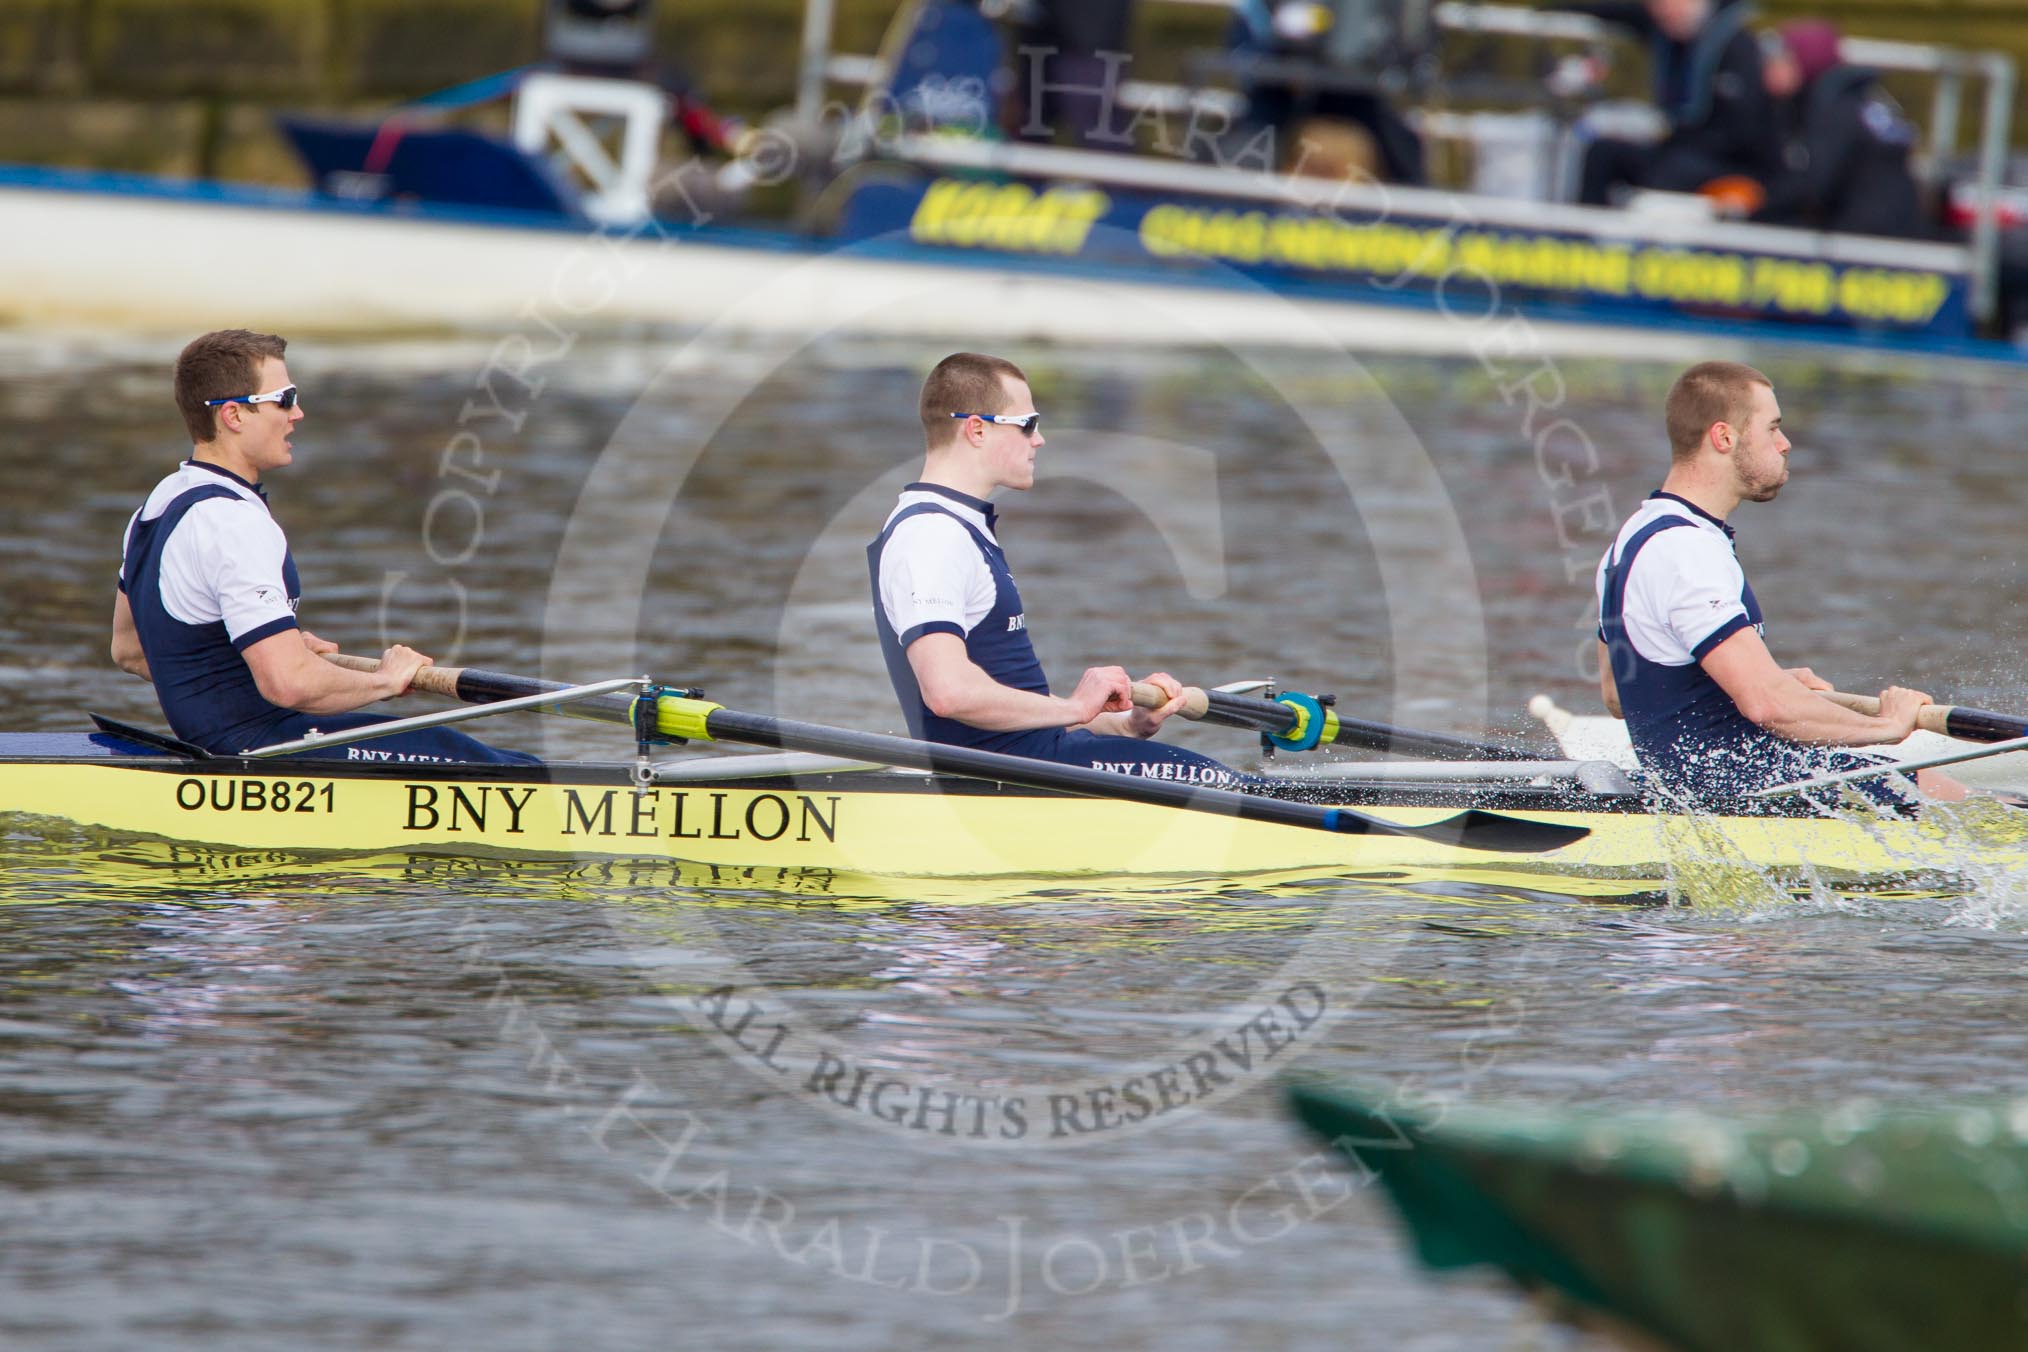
(908, 825)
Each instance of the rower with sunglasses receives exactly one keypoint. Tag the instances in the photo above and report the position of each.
(951, 624)
(206, 607)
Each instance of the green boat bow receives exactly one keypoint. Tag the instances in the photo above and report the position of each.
(1854, 1229)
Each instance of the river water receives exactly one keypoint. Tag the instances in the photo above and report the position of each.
(430, 1103)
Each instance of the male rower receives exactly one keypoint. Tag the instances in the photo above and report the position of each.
(951, 622)
(1681, 655)
(206, 607)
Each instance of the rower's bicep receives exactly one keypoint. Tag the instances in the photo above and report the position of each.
(941, 665)
(1746, 670)
(282, 667)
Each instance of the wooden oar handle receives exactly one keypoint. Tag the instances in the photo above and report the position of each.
(1930, 718)
(435, 680)
(1195, 701)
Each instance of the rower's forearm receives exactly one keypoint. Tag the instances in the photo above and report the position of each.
(1805, 717)
(313, 686)
(333, 701)
(979, 701)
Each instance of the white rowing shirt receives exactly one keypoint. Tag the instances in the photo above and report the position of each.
(1685, 589)
(932, 576)
(224, 561)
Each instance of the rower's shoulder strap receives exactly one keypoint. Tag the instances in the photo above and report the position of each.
(145, 531)
(1617, 569)
(1643, 535)
(918, 509)
(179, 506)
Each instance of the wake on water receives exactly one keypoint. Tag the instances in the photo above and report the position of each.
(1986, 887)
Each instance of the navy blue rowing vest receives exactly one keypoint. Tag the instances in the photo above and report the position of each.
(1685, 729)
(206, 688)
(1689, 734)
(999, 645)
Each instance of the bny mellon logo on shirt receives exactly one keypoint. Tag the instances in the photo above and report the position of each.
(1015, 622)
(268, 596)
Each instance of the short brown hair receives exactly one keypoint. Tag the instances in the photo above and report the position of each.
(964, 382)
(1709, 392)
(218, 366)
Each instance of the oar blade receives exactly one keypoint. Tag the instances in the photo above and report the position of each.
(1476, 829)
(1473, 829)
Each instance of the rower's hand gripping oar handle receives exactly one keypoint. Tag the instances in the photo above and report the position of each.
(1930, 717)
(433, 680)
(1195, 702)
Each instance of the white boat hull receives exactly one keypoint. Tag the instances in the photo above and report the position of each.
(176, 262)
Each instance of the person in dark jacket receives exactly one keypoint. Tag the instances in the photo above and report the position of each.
(1845, 156)
(1302, 116)
(1708, 82)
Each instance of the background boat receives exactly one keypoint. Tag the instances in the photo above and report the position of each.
(1860, 1226)
(904, 229)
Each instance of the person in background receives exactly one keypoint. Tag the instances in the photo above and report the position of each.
(1324, 131)
(614, 40)
(1708, 82)
(1845, 156)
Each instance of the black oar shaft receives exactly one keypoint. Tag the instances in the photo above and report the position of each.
(1361, 733)
(1470, 829)
(1949, 720)
(1273, 716)
(788, 735)
(475, 685)
(1983, 725)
